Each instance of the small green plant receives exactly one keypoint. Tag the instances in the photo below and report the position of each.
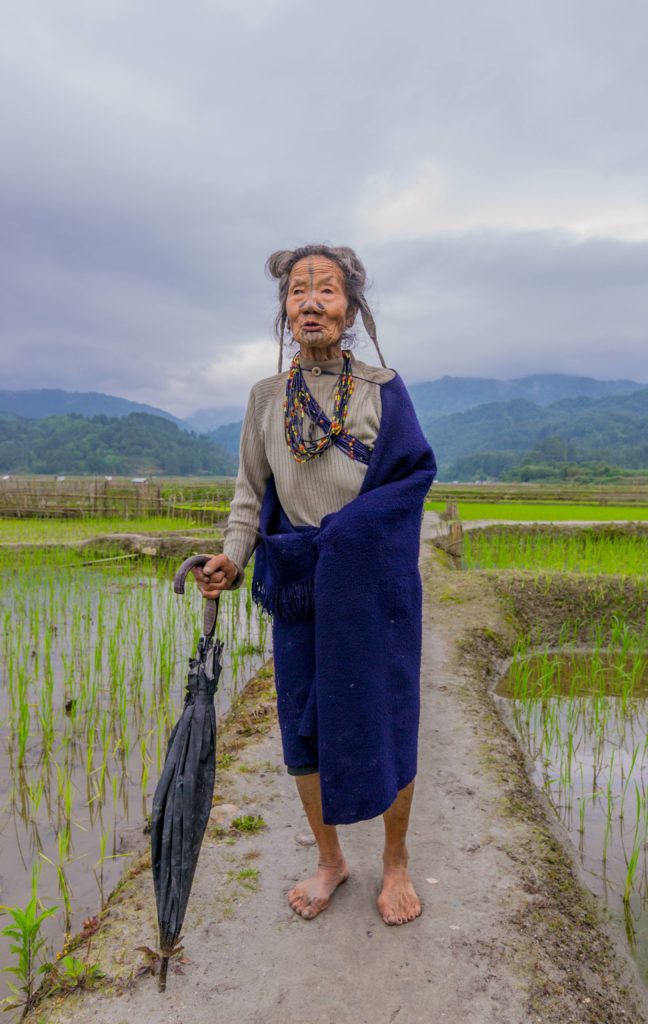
(225, 760)
(26, 944)
(260, 767)
(68, 974)
(249, 823)
(247, 878)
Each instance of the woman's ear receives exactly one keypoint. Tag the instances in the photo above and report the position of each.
(350, 319)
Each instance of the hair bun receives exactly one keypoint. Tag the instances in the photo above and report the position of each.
(280, 262)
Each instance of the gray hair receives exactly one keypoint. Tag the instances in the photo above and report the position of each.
(281, 263)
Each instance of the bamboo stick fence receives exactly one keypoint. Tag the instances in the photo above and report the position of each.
(63, 498)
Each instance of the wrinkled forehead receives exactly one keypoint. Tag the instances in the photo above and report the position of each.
(316, 268)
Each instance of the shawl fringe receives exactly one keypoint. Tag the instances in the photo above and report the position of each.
(291, 601)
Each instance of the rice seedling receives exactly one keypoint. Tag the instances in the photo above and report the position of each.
(583, 551)
(93, 664)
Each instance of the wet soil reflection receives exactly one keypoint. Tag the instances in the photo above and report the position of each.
(582, 717)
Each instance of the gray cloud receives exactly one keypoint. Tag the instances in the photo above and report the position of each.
(486, 160)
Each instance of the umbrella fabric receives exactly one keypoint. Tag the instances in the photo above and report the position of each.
(183, 797)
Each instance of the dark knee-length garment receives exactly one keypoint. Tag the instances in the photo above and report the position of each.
(346, 601)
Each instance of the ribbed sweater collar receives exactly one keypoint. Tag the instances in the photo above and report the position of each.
(327, 365)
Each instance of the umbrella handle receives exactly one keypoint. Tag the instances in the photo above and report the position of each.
(211, 603)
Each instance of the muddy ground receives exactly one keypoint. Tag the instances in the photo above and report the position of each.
(508, 934)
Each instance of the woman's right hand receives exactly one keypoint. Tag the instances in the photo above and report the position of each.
(215, 576)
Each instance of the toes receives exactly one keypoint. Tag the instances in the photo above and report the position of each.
(392, 916)
(297, 900)
(310, 908)
(314, 907)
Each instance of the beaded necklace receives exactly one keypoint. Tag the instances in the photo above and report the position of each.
(299, 402)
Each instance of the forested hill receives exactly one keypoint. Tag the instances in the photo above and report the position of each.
(135, 444)
(39, 403)
(491, 440)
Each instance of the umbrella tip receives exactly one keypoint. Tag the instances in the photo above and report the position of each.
(162, 979)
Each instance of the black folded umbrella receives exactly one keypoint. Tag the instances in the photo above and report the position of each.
(183, 797)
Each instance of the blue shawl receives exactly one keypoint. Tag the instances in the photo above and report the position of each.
(346, 606)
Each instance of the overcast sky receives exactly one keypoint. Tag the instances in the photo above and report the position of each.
(487, 160)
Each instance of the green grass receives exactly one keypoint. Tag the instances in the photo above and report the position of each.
(219, 506)
(247, 878)
(27, 531)
(556, 512)
(249, 823)
(583, 552)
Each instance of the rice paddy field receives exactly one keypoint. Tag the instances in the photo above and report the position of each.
(561, 511)
(94, 653)
(582, 718)
(590, 551)
(578, 701)
(93, 663)
(62, 531)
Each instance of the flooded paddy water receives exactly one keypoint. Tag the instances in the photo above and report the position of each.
(578, 702)
(93, 664)
(581, 717)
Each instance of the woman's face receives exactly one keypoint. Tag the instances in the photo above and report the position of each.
(316, 304)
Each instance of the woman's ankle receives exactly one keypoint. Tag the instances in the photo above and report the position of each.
(330, 858)
(395, 857)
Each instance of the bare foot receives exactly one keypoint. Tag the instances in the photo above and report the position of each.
(398, 902)
(310, 897)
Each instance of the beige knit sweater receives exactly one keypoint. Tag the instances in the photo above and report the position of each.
(307, 490)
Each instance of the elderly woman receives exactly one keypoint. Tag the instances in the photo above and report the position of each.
(334, 470)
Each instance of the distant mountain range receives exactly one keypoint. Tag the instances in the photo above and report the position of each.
(43, 402)
(457, 394)
(478, 427)
(431, 398)
(205, 421)
(484, 428)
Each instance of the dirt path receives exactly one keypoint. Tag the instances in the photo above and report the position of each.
(507, 935)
